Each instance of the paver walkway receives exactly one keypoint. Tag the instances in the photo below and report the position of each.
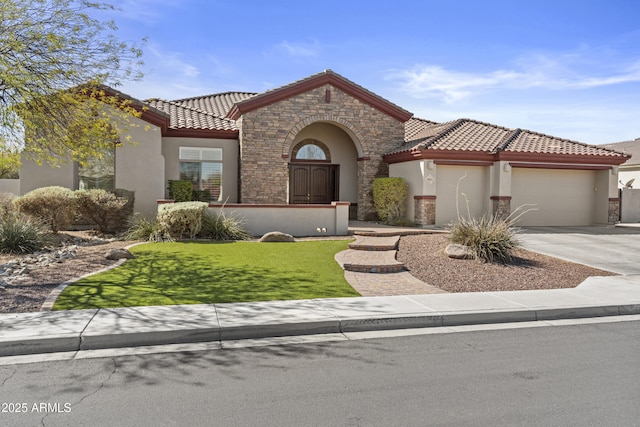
(372, 269)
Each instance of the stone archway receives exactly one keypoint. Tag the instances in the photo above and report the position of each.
(332, 175)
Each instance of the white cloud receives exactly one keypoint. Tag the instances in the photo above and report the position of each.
(561, 72)
(428, 81)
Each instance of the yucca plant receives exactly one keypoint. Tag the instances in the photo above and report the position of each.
(20, 235)
(219, 226)
(141, 228)
(491, 238)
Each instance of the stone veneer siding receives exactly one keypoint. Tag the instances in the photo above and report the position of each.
(267, 135)
(424, 210)
(501, 207)
(614, 211)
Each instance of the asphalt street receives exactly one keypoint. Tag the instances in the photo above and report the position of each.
(583, 374)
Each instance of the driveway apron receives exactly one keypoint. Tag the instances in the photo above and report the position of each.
(615, 249)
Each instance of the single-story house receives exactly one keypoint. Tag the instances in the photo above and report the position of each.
(629, 170)
(324, 139)
(629, 180)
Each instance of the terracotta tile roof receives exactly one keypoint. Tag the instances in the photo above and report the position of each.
(532, 142)
(476, 136)
(416, 128)
(218, 104)
(202, 112)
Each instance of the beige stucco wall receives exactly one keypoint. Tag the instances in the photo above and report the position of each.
(171, 152)
(267, 134)
(10, 186)
(343, 152)
(139, 167)
(414, 173)
(468, 196)
(627, 173)
(297, 220)
(33, 175)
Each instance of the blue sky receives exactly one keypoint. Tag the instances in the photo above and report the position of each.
(566, 68)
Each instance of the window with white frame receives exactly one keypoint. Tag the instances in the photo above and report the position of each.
(203, 167)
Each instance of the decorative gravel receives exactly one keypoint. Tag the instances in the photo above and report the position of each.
(28, 291)
(424, 257)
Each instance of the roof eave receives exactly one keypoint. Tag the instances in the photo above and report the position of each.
(560, 158)
(481, 156)
(201, 133)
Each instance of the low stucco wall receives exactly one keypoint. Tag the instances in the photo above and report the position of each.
(297, 220)
(630, 205)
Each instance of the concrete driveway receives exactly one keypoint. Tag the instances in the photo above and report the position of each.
(609, 248)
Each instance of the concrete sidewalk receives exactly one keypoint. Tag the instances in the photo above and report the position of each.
(64, 331)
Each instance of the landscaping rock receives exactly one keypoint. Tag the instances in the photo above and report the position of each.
(277, 236)
(457, 251)
(116, 254)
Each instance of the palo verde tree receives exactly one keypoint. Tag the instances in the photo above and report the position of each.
(57, 61)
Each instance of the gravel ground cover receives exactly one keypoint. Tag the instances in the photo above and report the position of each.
(424, 257)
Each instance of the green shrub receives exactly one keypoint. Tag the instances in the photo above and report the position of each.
(181, 219)
(52, 206)
(201, 196)
(6, 204)
(180, 190)
(19, 235)
(141, 228)
(130, 195)
(219, 226)
(490, 238)
(105, 209)
(390, 199)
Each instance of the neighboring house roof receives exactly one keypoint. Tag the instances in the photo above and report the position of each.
(628, 147)
(483, 141)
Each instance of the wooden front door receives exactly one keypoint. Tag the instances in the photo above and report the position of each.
(313, 184)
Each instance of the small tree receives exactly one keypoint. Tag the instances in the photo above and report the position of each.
(55, 59)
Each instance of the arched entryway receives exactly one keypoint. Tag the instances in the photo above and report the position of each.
(323, 166)
(313, 179)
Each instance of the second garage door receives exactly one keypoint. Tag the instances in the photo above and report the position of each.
(561, 197)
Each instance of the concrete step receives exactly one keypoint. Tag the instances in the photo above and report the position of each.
(370, 261)
(369, 243)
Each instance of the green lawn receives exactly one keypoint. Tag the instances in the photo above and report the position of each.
(205, 273)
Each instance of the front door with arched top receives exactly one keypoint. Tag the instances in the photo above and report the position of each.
(312, 177)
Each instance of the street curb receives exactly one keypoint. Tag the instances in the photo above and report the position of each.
(84, 340)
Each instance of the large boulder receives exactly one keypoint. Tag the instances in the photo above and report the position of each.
(457, 251)
(277, 236)
(116, 254)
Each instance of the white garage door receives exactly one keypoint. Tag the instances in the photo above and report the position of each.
(474, 186)
(561, 197)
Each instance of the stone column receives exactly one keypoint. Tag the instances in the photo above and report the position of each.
(501, 206)
(424, 210)
(614, 210)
